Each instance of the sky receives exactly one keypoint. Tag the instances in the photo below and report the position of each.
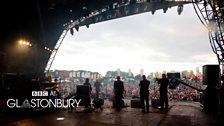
(159, 42)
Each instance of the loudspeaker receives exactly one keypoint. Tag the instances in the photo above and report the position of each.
(211, 75)
(135, 103)
(155, 103)
(83, 90)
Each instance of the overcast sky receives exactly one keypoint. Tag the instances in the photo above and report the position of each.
(159, 42)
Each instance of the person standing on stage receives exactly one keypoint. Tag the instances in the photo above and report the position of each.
(144, 93)
(164, 82)
(118, 91)
(97, 85)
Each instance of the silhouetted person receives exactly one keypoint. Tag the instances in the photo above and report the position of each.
(90, 89)
(164, 82)
(144, 93)
(88, 84)
(97, 85)
(56, 80)
(118, 91)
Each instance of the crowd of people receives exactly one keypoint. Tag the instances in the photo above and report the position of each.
(144, 90)
(132, 90)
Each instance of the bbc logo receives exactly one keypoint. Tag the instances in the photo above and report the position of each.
(39, 93)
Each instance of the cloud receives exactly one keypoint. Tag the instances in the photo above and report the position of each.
(153, 42)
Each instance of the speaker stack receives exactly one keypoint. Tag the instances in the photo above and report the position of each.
(211, 75)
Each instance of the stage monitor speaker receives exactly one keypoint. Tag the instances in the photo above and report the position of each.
(211, 75)
(83, 90)
(135, 103)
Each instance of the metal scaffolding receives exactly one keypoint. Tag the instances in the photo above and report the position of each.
(54, 52)
(210, 13)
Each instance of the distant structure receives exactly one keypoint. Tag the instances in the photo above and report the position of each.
(129, 72)
(118, 72)
(142, 72)
(75, 74)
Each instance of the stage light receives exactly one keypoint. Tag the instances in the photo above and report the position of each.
(71, 31)
(153, 12)
(20, 41)
(216, 7)
(24, 43)
(77, 28)
(48, 49)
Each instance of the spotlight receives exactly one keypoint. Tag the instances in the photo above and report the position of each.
(20, 42)
(153, 12)
(27, 43)
(77, 28)
(71, 31)
(24, 43)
